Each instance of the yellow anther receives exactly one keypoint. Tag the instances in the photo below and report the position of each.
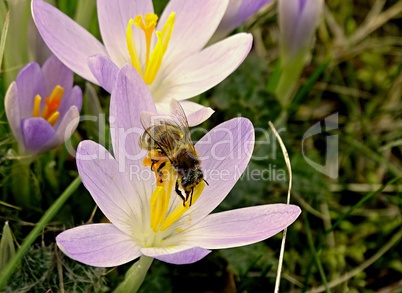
(159, 50)
(53, 118)
(180, 209)
(135, 60)
(49, 113)
(36, 107)
(167, 31)
(153, 60)
(159, 206)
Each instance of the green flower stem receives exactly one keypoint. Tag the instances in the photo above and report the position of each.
(288, 81)
(50, 213)
(135, 275)
(22, 185)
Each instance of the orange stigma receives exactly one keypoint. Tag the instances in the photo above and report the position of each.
(50, 111)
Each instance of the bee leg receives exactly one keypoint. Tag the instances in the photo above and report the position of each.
(160, 173)
(153, 162)
(191, 196)
(178, 191)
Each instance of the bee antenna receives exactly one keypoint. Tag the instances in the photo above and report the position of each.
(205, 181)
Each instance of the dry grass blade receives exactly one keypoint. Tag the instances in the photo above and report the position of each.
(287, 161)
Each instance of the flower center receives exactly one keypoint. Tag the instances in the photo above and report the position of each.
(153, 57)
(161, 216)
(52, 104)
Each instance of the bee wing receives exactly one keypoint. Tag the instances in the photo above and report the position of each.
(165, 142)
(180, 118)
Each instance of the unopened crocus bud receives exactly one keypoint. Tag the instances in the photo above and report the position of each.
(42, 106)
(298, 21)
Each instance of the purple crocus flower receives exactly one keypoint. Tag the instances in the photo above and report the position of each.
(169, 52)
(238, 11)
(42, 106)
(146, 219)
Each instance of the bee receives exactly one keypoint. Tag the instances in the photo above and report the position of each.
(169, 139)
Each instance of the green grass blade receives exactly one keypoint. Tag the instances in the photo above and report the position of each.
(3, 38)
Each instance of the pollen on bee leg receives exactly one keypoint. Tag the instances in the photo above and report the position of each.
(147, 162)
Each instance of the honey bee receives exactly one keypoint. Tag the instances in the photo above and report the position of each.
(169, 138)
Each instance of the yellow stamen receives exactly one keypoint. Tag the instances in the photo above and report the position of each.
(153, 60)
(180, 209)
(135, 60)
(159, 50)
(159, 206)
(53, 118)
(167, 31)
(36, 107)
(49, 113)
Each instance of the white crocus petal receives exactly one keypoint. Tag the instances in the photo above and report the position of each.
(240, 227)
(195, 23)
(195, 113)
(100, 245)
(203, 70)
(113, 19)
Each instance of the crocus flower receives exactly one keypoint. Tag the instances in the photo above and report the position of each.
(238, 11)
(167, 52)
(150, 220)
(42, 106)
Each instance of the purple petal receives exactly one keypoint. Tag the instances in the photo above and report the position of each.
(224, 153)
(64, 127)
(195, 23)
(100, 245)
(120, 200)
(169, 255)
(241, 227)
(201, 71)
(130, 97)
(104, 70)
(56, 73)
(113, 19)
(74, 99)
(36, 133)
(30, 82)
(70, 42)
(12, 108)
(238, 12)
